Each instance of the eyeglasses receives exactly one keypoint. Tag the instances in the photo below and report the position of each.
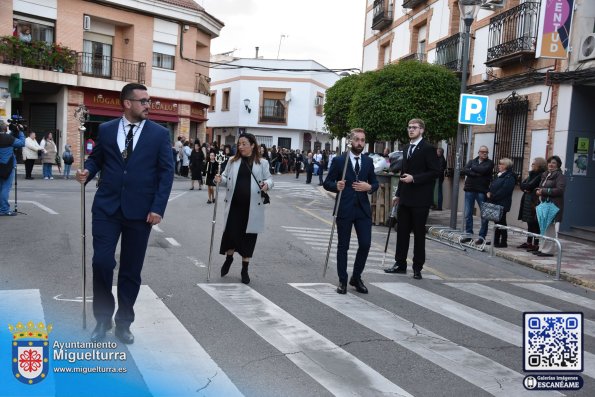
(143, 102)
(413, 127)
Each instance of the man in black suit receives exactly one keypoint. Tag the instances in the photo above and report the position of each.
(414, 197)
(135, 159)
(354, 209)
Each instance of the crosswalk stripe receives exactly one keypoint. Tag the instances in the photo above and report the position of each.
(307, 349)
(20, 306)
(513, 302)
(159, 349)
(469, 316)
(476, 369)
(558, 294)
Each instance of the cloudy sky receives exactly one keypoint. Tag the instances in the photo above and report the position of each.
(328, 31)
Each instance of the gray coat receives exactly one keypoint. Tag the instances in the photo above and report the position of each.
(552, 187)
(256, 213)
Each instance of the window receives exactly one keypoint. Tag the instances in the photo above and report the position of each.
(274, 107)
(213, 101)
(33, 29)
(225, 99)
(319, 103)
(163, 61)
(284, 143)
(267, 140)
(511, 129)
(97, 58)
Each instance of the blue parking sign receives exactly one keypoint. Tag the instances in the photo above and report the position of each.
(473, 109)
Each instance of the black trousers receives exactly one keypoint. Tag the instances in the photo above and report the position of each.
(411, 219)
(29, 167)
(135, 237)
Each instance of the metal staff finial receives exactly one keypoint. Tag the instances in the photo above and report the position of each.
(220, 158)
(81, 114)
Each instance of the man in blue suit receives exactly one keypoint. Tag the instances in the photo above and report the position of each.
(134, 157)
(354, 209)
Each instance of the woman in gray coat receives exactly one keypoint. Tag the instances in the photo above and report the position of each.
(245, 176)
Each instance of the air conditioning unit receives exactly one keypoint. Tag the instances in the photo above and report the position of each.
(86, 22)
(587, 48)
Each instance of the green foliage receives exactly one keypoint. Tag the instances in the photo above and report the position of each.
(37, 54)
(382, 102)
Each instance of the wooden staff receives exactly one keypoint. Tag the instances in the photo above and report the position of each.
(335, 210)
(220, 159)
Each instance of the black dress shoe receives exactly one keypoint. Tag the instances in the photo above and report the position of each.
(226, 265)
(542, 254)
(417, 274)
(342, 288)
(359, 285)
(396, 269)
(100, 330)
(124, 335)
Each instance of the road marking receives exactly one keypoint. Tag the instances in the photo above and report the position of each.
(173, 241)
(79, 299)
(338, 371)
(176, 197)
(558, 294)
(514, 302)
(476, 369)
(20, 306)
(314, 215)
(196, 262)
(161, 350)
(469, 316)
(41, 206)
(157, 229)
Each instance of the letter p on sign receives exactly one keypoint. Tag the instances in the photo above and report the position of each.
(473, 109)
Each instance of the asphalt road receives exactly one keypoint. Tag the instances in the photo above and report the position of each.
(457, 332)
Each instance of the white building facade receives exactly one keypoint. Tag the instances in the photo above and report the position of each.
(273, 101)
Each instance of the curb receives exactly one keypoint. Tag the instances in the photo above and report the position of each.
(563, 275)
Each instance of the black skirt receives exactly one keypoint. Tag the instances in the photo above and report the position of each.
(235, 236)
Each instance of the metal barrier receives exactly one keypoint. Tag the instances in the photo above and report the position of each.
(516, 230)
(453, 238)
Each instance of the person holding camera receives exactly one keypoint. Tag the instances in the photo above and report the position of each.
(8, 142)
(31, 153)
(414, 196)
(247, 178)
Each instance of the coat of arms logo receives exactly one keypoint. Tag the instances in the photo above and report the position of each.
(30, 351)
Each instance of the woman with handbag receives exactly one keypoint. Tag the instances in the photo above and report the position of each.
(529, 201)
(500, 193)
(551, 188)
(246, 176)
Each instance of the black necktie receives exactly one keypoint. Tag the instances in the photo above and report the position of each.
(356, 168)
(411, 149)
(129, 140)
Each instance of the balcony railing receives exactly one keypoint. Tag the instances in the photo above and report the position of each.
(273, 114)
(202, 84)
(107, 67)
(416, 56)
(37, 55)
(513, 34)
(449, 52)
(383, 15)
(412, 3)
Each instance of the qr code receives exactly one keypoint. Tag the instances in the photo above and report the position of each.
(553, 341)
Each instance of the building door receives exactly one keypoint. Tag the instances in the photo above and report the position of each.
(284, 143)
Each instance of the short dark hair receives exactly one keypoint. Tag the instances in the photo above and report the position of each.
(127, 91)
(556, 159)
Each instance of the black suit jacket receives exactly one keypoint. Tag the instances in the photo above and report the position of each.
(424, 166)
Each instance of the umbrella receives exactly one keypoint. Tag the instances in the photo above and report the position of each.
(546, 212)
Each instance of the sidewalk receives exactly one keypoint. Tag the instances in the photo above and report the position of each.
(578, 260)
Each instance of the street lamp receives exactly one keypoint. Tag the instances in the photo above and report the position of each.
(469, 10)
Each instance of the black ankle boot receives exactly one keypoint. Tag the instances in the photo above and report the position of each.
(245, 277)
(226, 265)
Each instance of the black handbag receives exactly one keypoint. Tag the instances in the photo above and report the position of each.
(491, 211)
(264, 195)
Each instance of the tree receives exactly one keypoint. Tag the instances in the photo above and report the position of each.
(338, 104)
(382, 102)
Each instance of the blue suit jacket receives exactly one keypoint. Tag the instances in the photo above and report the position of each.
(141, 185)
(349, 196)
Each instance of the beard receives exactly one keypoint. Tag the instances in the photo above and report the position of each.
(357, 149)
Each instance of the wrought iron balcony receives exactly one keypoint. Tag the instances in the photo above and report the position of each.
(383, 15)
(449, 52)
(107, 67)
(513, 35)
(416, 56)
(412, 3)
(273, 114)
(202, 84)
